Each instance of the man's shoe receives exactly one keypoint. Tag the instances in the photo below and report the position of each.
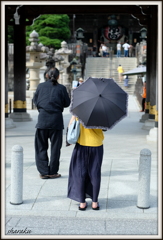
(44, 176)
(57, 175)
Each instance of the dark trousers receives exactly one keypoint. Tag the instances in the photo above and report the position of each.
(85, 173)
(44, 166)
(126, 53)
(143, 104)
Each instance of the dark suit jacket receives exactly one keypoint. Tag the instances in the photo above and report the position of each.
(50, 101)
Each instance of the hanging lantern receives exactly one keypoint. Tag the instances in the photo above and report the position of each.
(143, 33)
(79, 33)
(113, 31)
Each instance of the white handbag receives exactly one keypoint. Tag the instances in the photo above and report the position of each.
(73, 132)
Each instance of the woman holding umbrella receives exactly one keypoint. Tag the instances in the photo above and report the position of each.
(98, 104)
(85, 167)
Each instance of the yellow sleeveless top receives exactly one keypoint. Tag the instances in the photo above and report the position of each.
(120, 69)
(90, 137)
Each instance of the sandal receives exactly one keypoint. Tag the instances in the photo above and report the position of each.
(82, 209)
(96, 208)
(57, 175)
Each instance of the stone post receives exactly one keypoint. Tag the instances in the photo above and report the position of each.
(78, 54)
(58, 61)
(37, 56)
(64, 52)
(41, 74)
(144, 179)
(16, 175)
(53, 61)
(35, 62)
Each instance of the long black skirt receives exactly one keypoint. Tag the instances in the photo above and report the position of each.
(85, 173)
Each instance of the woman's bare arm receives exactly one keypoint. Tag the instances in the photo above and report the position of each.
(71, 120)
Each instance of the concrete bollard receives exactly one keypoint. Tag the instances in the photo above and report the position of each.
(16, 175)
(144, 179)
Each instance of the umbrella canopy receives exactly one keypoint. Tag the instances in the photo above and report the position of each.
(136, 71)
(99, 103)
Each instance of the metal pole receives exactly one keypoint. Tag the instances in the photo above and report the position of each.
(10, 105)
(32, 104)
(111, 63)
(74, 76)
(16, 175)
(74, 16)
(144, 179)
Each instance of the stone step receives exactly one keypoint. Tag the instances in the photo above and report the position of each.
(108, 58)
(100, 67)
(114, 66)
(113, 62)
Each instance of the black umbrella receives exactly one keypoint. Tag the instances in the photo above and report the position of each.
(99, 103)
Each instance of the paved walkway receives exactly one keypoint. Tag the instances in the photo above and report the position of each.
(46, 210)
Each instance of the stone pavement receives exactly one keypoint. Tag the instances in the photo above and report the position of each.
(46, 210)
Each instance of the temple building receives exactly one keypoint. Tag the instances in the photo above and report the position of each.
(107, 28)
(98, 24)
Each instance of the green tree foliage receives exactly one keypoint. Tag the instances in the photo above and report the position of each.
(10, 34)
(52, 29)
